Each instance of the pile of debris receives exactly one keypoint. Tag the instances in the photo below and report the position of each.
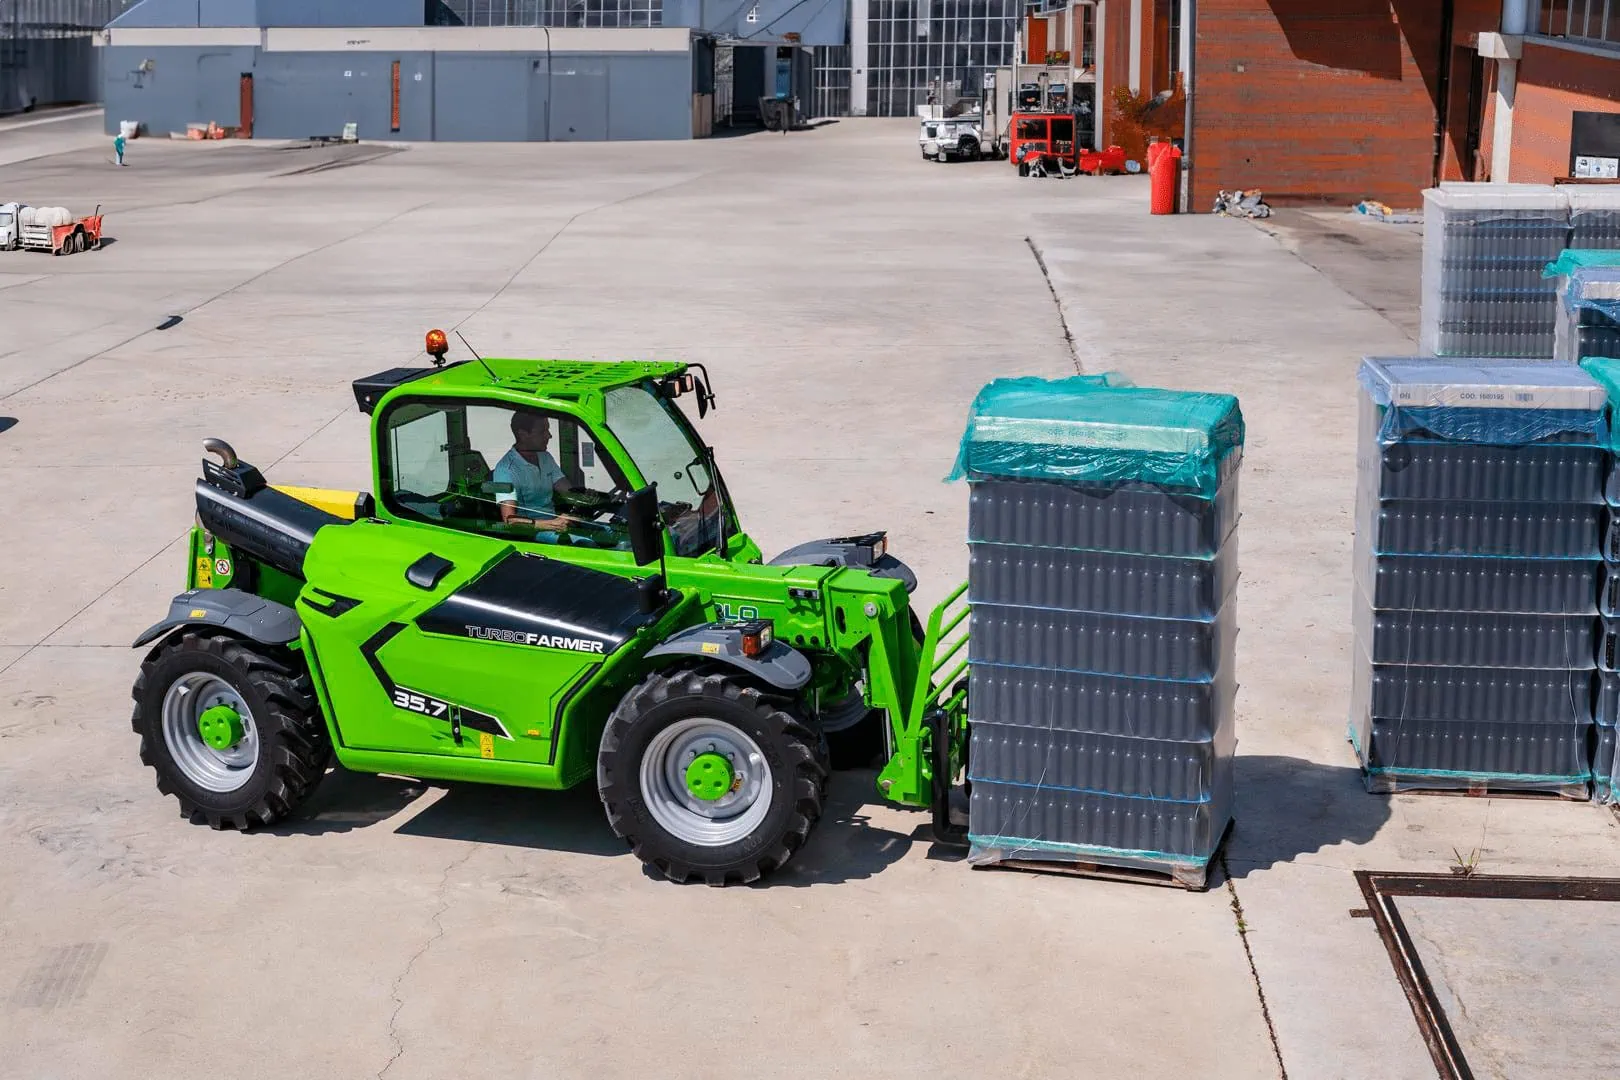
(1245, 204)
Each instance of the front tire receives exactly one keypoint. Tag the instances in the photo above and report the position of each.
(706, 777)
(269, 743)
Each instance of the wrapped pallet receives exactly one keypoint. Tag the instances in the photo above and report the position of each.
(1102, 581)
(1588, 310)
(1480, 526)
(1605, 761)
(1484, 249)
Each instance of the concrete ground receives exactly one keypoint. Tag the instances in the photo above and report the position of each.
(849, 299)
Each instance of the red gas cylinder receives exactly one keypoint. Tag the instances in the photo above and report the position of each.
(1164, 176)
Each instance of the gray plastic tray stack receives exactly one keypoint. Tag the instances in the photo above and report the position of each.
(1484, 249)
(1480, 525)
(1588, 313)
(1605, 760)
(1102, 677)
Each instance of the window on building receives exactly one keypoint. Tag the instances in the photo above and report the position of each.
(1088, 36)
(1173, 46)
(963, 40)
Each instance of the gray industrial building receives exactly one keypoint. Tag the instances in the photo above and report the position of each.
(494, 69)
(399, 69)
(46, 56)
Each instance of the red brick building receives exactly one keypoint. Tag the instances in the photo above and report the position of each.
(1309, 100)
(1341, 100)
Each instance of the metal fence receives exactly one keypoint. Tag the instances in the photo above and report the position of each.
(1591, 20)
(609, 13)
(45, 53)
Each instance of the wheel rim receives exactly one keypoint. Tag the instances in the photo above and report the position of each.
(200, 701)
(678, 781)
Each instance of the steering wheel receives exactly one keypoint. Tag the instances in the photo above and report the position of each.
(583, 502)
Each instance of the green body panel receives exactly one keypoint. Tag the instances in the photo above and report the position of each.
(551, 704)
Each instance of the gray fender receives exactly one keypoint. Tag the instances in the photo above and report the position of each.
(783, 666)
(843, 552)
(232, 610)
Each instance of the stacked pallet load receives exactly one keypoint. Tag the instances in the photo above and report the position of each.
(1484, 249)
(1605, 762)
(1588, 312)
(1478, 560)
(1102, 583)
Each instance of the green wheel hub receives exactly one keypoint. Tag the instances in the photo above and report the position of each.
(220, 727)
(710, 776)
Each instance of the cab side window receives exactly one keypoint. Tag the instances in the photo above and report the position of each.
(498, 469)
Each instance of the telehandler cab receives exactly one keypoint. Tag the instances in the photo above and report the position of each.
(550, 584)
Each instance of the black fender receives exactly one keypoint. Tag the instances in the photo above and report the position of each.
(783, 666)
(856, 551)
(231, 610)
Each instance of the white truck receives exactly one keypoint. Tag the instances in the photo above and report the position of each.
(11, 226)
(956, 137)
(48, 228)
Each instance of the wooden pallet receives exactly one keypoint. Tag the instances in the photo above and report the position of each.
(1485, 791)
(1176, 878)
(1162, 878)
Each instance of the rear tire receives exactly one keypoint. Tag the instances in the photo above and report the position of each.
(969, 151)
(278, 759)
(656, 734)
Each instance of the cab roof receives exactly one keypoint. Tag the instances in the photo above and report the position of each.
(515, 380)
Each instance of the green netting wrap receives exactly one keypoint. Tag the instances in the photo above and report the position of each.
(1575, 258)
(1099, 429)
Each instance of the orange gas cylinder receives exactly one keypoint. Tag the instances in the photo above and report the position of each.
(1164, 175)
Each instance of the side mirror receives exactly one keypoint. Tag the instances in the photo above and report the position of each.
(645, 525)
(702, 398)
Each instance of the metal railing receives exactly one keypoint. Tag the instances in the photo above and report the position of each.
(559, 13)
(1582, 20)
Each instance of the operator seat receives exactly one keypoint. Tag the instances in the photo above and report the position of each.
(470, 476)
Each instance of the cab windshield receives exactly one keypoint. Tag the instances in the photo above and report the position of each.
(665, 454)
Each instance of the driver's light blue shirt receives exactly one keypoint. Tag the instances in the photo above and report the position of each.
(531, 484)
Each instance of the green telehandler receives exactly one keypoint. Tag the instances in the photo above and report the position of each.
(549, 585)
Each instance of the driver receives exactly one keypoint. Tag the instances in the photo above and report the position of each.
(533, 475)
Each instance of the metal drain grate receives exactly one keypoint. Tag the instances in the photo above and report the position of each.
(1382, 890)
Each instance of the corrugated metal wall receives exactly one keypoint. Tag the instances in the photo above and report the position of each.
(45, 52)
(483, 96)
(1316, 101)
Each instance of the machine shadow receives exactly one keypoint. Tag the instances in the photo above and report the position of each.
(1287, 807)
(347, 800)
(845, 845)
(520, 817)
(7, 423)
